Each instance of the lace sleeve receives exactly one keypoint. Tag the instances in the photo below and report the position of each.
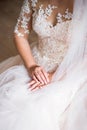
(23, 25)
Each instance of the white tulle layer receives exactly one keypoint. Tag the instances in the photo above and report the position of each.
(61, 105)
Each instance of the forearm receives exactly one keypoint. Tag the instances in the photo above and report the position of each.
(24, 50)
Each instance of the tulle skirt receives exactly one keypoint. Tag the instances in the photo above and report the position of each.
(60, 105)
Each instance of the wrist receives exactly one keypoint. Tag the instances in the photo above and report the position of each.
(29, 67)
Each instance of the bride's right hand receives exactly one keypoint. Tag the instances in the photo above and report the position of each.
(38, 74)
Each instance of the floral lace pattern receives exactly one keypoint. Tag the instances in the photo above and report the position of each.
(67, 15)
(48, 11)
(23, 20)
(34, 2)
(51, 46)
(51, 50)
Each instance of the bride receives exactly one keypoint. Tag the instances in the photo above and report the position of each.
(45, 88)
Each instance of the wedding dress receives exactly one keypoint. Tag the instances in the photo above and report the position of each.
(60, 105)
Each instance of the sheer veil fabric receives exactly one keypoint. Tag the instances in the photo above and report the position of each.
(78, 44)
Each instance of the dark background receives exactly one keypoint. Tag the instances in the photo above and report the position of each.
(9, 12)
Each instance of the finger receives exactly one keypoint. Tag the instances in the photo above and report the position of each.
(35, 89)
(39, 77)
(43, 78)
(34, 86)
(31, 83)
(35, 78)
(45, 75)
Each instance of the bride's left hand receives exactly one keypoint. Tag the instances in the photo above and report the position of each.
(33, 85)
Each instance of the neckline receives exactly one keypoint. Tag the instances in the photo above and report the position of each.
(43, 14)
(64, 21)
(67, 15)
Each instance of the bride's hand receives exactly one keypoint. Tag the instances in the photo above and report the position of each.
(38, 74)
(37, 85)
(33, 85)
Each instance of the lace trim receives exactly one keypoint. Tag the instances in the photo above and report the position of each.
(23, 19)
(34, 2)
(46, 12)
(67, 16)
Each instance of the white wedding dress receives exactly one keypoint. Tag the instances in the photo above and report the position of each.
(61, 105)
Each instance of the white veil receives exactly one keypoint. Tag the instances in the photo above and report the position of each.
(78, 43)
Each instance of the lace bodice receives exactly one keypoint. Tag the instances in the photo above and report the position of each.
(51, 46)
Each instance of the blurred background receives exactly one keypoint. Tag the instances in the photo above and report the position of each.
(9, 12)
